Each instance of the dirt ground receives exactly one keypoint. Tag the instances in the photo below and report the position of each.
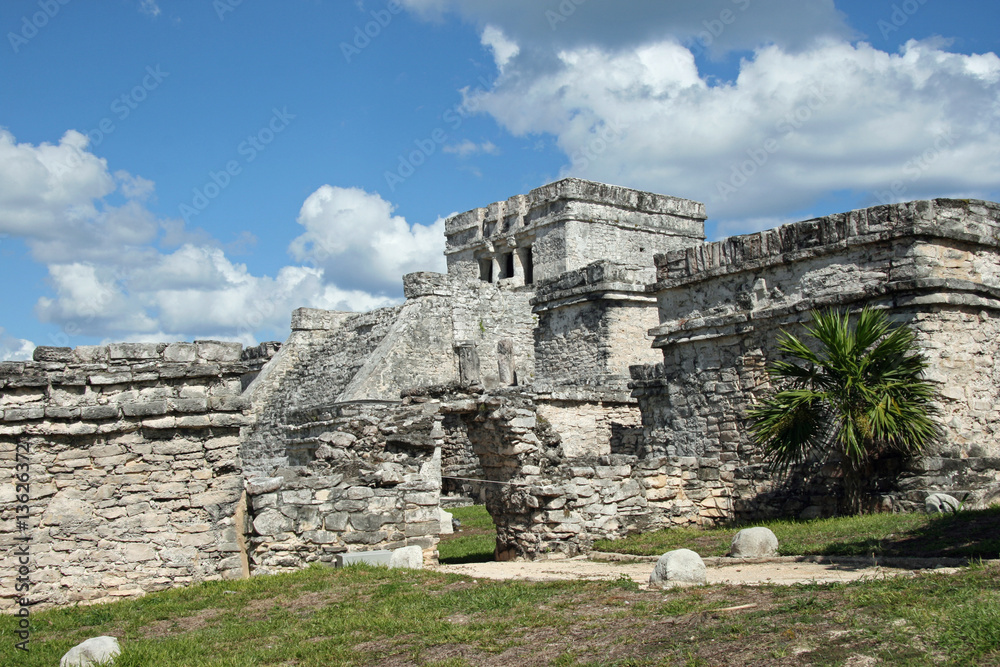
(721, 570)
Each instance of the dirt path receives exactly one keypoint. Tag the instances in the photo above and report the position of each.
(778, 571)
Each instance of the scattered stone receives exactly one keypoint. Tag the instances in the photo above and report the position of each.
(373, 557)
(756, 542)
(94, 651)
(680, 567)
(447, 522)
(941, 503)
(408, 557)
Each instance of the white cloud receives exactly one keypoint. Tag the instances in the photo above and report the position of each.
(467, 148)
(149, 8)
(353, 236)
(502, 48)
(792, 128)
(111, 277)
(719, 25)
(15, 349)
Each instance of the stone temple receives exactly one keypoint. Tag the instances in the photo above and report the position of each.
(583, 369)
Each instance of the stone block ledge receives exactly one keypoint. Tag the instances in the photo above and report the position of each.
(977, 223)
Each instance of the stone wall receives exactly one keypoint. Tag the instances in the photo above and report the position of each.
(933, 265)
(134, 481)
(592, 325)
(372, 481)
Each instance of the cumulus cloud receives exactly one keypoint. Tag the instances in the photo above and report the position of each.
(502, 48)
(792, 128)
(112, 276)
(357, 241)
(717, 25)
(14, 349)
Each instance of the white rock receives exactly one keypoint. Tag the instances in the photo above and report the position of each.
(408, 557)
(941, 503)
(756, 542)
(680, 567)
(91, 652)
(271, 522)
(447, 527)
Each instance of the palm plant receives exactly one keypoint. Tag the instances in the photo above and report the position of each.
(860, 396)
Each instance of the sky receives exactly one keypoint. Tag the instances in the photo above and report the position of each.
(181, 170)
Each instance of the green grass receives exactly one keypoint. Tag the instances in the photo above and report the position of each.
(968, 534)
(374, 616)
(474, 542)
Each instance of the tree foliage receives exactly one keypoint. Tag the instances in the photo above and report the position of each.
(861, 395)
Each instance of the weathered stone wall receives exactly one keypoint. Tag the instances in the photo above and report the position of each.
(592, 427)
(546, 503)
(592, 325)
(317, 362)
(488, 314)
(372, 481)
(134, 482)
(934, 265)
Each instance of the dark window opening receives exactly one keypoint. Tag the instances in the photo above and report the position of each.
(486, 270)
(527, 265)
(508, 265)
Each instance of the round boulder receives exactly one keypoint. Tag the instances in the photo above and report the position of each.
(95, 651)
(680, 567)
(756, 542)
(941, 503)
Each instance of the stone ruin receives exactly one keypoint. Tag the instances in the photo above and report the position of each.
(583, 369)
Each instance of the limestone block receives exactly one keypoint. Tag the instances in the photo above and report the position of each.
(758, 542)
(390, 474)
(271, 522)
(680, 567)
(180, 352)
(147, 409)
(90, 354)
(447, 522)
(135, 351)
(313, 319)
(95, 651)
(407, 557)
(338, 439)
(213, 350)
(92, 412)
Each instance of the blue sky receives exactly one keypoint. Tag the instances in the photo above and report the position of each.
(180, 170)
